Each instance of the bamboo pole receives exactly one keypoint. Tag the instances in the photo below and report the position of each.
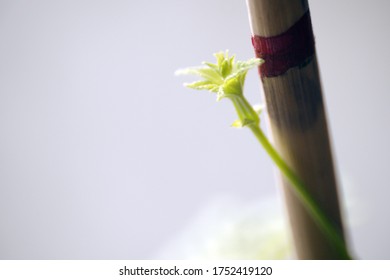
(283, 37)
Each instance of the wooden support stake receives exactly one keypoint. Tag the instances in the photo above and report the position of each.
(296, 115)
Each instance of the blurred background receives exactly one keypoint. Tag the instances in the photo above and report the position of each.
(104, 155)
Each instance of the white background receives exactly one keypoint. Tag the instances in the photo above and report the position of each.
(103, 153)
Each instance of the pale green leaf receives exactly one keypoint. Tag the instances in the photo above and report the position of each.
(259, 108)
(237, 124)
(200, 85)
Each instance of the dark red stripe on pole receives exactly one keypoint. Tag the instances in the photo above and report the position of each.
(284, 51)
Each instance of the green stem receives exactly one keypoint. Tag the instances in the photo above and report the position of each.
(322, 220)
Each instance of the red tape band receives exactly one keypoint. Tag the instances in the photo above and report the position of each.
(284, 51)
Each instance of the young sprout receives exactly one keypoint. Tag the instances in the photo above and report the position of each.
(226, 79)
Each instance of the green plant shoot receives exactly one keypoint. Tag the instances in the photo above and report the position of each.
(226, 79)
